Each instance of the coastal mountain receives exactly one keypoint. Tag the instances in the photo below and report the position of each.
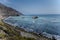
(7, 11)
(9, 32)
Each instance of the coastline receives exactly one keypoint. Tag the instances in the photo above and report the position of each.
(35, 34)
(12, 30)
(44, 34)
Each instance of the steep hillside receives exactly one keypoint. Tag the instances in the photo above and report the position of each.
(8, 32)
(7, 11)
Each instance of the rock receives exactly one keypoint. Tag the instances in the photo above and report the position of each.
(35, 17)
(53, 38)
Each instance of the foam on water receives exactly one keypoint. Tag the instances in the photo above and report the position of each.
(48, 26)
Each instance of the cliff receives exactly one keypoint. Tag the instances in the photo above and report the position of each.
(7, 11)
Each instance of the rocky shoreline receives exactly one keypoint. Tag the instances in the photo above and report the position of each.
(10, 32)
(35, 34)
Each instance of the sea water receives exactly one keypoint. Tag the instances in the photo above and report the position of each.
(42, 24)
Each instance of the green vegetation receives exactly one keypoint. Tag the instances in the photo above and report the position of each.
(11, 33)
(2, 35)
(21, 38)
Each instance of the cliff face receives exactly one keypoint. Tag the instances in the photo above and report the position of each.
(7, 11)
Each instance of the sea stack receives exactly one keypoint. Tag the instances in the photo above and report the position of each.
(35, 17)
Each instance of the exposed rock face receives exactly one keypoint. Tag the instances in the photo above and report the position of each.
(7, 11)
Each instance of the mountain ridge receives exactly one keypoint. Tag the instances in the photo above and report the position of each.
(8, 11)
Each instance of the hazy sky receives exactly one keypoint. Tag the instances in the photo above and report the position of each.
(34, 6)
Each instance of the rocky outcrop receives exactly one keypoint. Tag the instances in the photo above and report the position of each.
(35, 17)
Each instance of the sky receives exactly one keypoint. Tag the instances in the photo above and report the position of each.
(32, 7)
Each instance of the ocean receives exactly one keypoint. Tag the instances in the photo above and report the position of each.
(41, 24)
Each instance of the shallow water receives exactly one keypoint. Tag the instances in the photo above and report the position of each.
(48, 24)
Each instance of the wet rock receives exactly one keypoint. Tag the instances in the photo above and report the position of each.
(53, 38)
(35, 17)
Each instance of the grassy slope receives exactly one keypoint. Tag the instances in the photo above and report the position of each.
(10, 33)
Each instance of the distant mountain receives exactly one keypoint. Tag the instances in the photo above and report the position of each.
(7, 11)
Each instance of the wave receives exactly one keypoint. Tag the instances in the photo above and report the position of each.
(48, 26)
